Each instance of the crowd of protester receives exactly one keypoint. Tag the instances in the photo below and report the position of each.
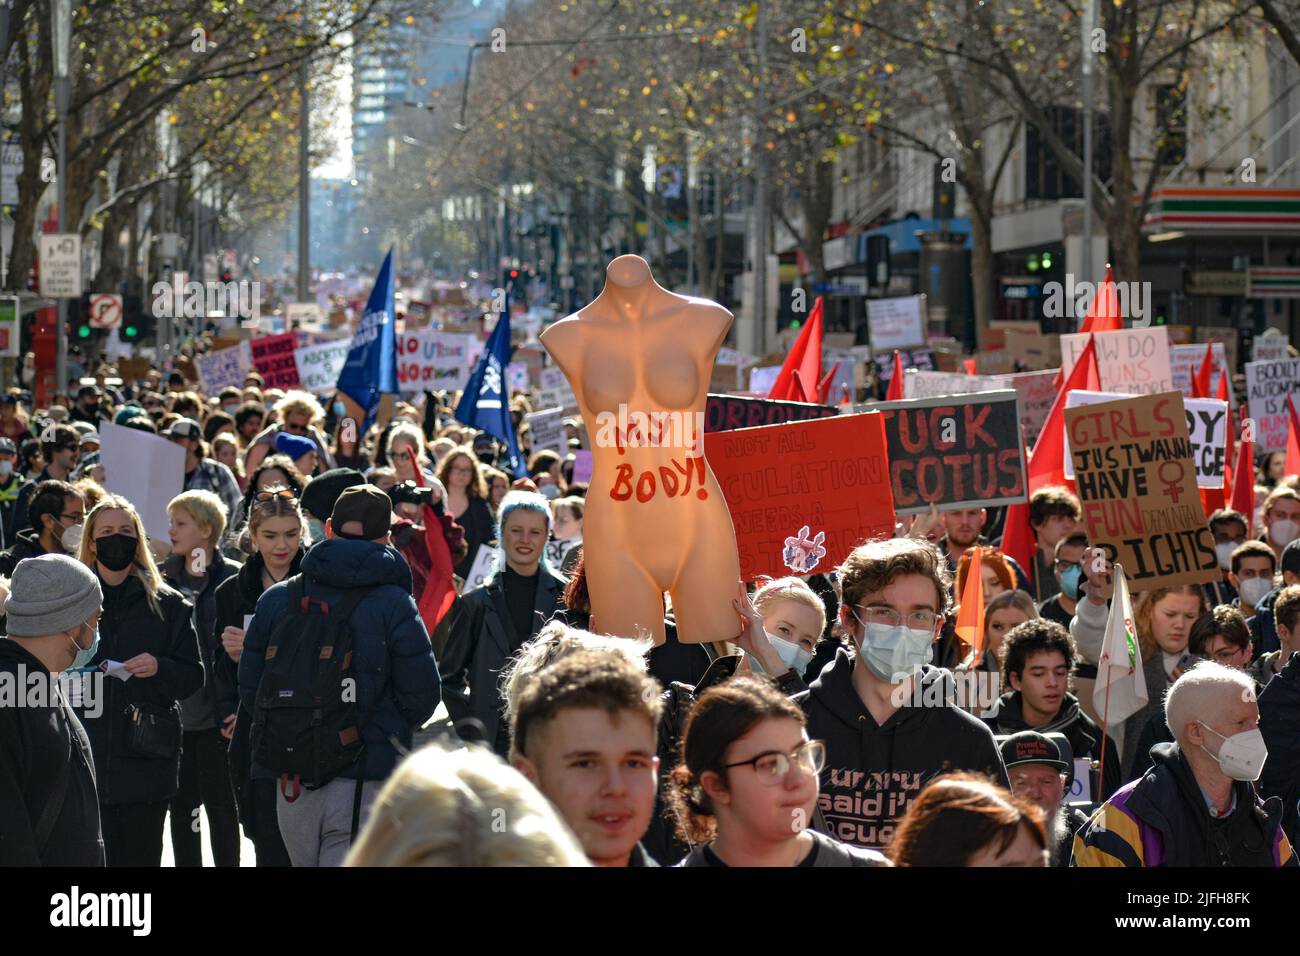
(827, 730)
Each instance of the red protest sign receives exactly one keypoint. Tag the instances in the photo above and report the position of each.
(829, 474)
(274, 361)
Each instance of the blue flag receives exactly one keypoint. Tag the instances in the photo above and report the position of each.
(371, 368)
(485, 403)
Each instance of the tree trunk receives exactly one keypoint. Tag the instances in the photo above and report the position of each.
(34, 90)
(1122, 215)
(983, 280)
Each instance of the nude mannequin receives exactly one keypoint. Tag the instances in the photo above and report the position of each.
(656, 519)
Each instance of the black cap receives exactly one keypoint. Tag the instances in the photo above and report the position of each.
(365, 504)
(1029, 746)
(7, 399)
(1291, 557)
(7, 446)
(183, 428)
(323, 491)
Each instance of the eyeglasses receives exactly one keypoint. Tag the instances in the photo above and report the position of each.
(283, 493)
(78, 518)
(810, 756)
(297, 429)
(462, 470)
(891, 617)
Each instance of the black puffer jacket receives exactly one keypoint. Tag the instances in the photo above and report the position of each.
(199, 710)
(27, 545)
(127, 628)
(1279, 722)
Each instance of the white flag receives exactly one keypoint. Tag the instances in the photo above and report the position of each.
(1119, 668)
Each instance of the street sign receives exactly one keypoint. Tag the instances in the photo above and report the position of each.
(11, 167)
(61, 265)
(105, 311)
(10, 327)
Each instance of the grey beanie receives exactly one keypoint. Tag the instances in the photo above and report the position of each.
(51, 593)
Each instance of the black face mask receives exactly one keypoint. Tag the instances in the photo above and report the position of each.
(115, 551)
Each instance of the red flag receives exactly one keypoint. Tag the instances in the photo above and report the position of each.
(896, 379)
(970, 616)
(1243, 487)
(1224, 392)
(1103, 314)
(1211, 500)
(1046, 464)
(1229, 439)
(801, 372)
(969, 366)
(1018, 538)
(824, 386)
(1201, 380)
(1292, 437)
(439, 588)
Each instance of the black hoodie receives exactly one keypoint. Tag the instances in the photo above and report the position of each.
(874, 772)
(1279, 722)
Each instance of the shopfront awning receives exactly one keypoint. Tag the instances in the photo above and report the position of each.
(1216, 210)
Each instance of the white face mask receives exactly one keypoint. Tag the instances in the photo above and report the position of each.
(1223, 550)
(71, 538)
(894, 653)
(1242, 755)
(1283, 531)
(793, 655)
(1252, 590)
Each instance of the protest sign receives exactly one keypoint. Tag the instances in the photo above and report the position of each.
(1033, 350)
(547, 430)
(134, 369)
(273, 359)
(730, 356)
(146, 469)
(724, 378)
(1269, 346)
(923, 359)
(1207, 429)
(1137, 483)
(954, 451)
(582, 465)
(762, 379)
(554, 389)
(896, 323)
(845, 377)
(1225, 335)
(1185, 361)
(434, 360)
(481, 569)
(727, 412)
(220, 369)
(517, 377)
(319, 365)
(1129, 361)
(1267, 386)
(831, 475)
(918, 383)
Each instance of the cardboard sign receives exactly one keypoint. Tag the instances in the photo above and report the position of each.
(1130, 361)
(831, 475)
(1269, 346)
(1267, 386)
(517, 377)
(1185, 361)
(956, 451)
(763, 378)
(554, 389)
(724, 378)
(1036, 391)
(728, 412)
(896, 323)
(923, 359)
(1033, 350)
(134, 369)
(1225, 335)
(146, 469)
(582, 465)
(547, 430)
(1137, 483)
(1207, 426)
(435, 360)
(221, 368)
(273, 359)
(319, 365)
(481, 569)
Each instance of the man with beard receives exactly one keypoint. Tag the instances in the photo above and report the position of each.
(964, 529)
(1038, 766)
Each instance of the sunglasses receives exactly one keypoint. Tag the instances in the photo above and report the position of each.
(283, 493)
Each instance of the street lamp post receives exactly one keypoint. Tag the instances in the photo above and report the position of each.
(1089, 14)
(61, 23)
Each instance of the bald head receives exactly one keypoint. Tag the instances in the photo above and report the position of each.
(1212, 693)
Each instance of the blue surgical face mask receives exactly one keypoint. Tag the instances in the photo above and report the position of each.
(793, 655)
(230, 409)
(1071, 578)
(84, 655)
(893, 653)
(340, 409)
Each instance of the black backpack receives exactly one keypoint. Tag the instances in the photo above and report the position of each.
(306, 724)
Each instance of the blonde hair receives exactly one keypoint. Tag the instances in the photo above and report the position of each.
(206, 508)
(789, 589)
(299, 403)
(406, 433)
(554, 641)
(91, 490)
(462, 808)
(143, 566)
